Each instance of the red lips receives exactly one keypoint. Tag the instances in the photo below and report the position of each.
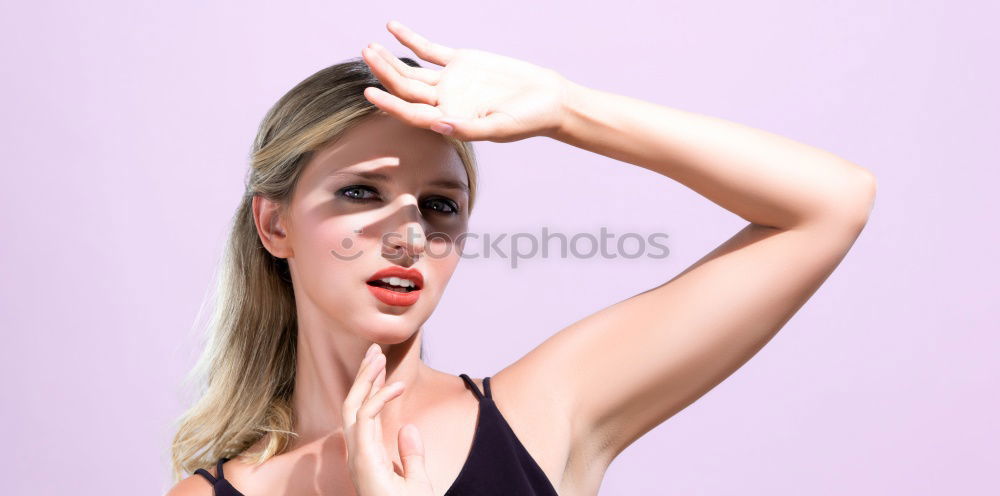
(397, 298)
(411, 274)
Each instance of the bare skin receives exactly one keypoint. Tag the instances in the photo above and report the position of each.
(804, 207)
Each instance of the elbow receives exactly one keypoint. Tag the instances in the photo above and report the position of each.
(850, 206)
(859, 201)
(868, 189)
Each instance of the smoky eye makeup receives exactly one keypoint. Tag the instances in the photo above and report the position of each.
(358, 193)
(362, 193)
(450, 206)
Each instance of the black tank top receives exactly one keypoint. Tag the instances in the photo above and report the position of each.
(497, 464)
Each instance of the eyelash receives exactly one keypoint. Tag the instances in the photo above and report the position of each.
(343, 193)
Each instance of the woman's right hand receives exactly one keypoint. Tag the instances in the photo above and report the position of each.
(372, 472)
(480, 95)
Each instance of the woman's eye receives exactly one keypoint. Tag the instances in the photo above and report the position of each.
(442, 205)
(361, 193)
(358, 192)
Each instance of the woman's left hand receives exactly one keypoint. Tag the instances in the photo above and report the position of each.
(478, 94)
(372, 472)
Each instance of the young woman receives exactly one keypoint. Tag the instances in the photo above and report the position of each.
(361, 184)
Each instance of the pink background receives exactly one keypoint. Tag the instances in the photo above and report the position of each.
(126, 127)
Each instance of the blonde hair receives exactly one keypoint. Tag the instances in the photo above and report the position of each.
(246, 373)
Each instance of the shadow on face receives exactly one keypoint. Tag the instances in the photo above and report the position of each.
(384, 194)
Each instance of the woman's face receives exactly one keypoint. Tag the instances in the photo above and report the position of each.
(405, 189)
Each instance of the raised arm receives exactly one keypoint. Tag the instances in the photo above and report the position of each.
(764, 178)
(621, 371)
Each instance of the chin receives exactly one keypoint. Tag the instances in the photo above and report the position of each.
(387, 334)
(390, 328)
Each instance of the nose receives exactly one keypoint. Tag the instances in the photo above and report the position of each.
(408, 240)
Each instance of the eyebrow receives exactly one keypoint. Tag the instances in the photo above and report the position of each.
(378, 176)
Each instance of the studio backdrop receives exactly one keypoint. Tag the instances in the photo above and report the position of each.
(127, 133)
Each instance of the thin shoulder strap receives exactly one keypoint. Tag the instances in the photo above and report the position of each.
(207, 475)
(475, 389)
(204, 473)
(218, 469)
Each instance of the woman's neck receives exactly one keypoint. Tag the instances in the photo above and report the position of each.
(327, 362)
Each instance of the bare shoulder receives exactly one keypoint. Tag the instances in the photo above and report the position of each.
(193, 485)
(539, 401)
(538, 411)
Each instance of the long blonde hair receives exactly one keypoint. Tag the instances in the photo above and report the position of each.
(245, 376)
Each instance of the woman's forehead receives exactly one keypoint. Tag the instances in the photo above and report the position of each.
(384, 145)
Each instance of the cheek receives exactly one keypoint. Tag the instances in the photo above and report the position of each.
(328, 257)
(443, 245)
(447, 238)
(329, 241)
(443, 255)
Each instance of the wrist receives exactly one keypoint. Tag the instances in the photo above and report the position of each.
(570, 96)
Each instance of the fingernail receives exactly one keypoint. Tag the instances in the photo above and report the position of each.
(442, 128)
(371, 350)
